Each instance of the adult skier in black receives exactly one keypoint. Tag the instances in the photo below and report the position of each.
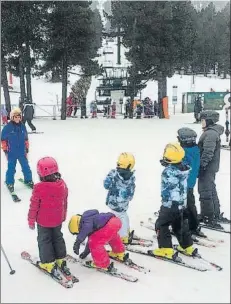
(197, 109)
(28, 114)
(210, 146)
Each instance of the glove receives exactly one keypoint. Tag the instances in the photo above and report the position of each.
(76, 247)
(32, 226)
(85, 253)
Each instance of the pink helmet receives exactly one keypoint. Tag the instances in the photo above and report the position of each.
(47, 166)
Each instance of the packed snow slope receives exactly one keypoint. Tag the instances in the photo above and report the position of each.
(86, 150)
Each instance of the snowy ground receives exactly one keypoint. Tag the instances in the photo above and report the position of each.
(86, 150)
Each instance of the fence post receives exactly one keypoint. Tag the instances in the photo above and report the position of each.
(54, 112)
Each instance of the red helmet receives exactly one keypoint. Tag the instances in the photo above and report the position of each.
(47, 166)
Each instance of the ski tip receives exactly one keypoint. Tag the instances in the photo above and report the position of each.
(25, 255)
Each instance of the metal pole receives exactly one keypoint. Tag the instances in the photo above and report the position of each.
(11, 270)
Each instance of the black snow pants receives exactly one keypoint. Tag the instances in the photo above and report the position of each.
(192, 215)
(177, 219)
(29, 121)
(209, 201)
(51, 244)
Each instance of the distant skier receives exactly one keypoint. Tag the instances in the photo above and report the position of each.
(48, 208)
(210, 146)
(4, 115)
(15, 144)
(126, 108)
(70, 104)
(93, 109)
(197, 109)
(120, 183)
(139, 109)
(28, 114)
(113, 110)
(156, 108)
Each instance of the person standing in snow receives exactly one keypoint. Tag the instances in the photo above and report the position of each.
(210, 146)
(197, 109)
(4, 115)
(28, 114)
(15, 144)
(120, 183)
(48, 208)
(173, 203)
(187, 139)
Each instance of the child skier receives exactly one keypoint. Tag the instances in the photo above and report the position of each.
(210, 146)
(4, 115)
(120, 183)
(49, 208)
(15, 144)
(174, 197)
(187, 138)
(113, 110)
(101, 229)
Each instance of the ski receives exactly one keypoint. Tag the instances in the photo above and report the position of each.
(213, 228)
(195, 240)
(137, 238)
(140, 242)
(178, 261)
(35, 132)
(115, 273)
(128, 262)
(209, 239)
(199, 237)
(14, 196)
(22, 181)
(198, 256)
(57, 278)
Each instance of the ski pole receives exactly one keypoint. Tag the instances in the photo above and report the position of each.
(12, 271)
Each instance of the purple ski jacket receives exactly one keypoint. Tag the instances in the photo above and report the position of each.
(92, 221)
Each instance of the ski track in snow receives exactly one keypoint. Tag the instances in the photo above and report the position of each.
(86, 150)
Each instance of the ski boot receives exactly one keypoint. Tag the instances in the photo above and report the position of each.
(30, 184)
(223, 219)
(167, 253)
(212, 223)
(10, 187)
(127, 240)
(198, 232)
(110, 268)
(123, 257)
(190, 251)
(50, 268)
(62, 264)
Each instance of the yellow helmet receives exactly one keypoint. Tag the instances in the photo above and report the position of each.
(15, 112)
(126, 161)
(173, 153)
(74, 222)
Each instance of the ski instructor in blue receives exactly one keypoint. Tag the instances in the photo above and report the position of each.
(15, 144)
